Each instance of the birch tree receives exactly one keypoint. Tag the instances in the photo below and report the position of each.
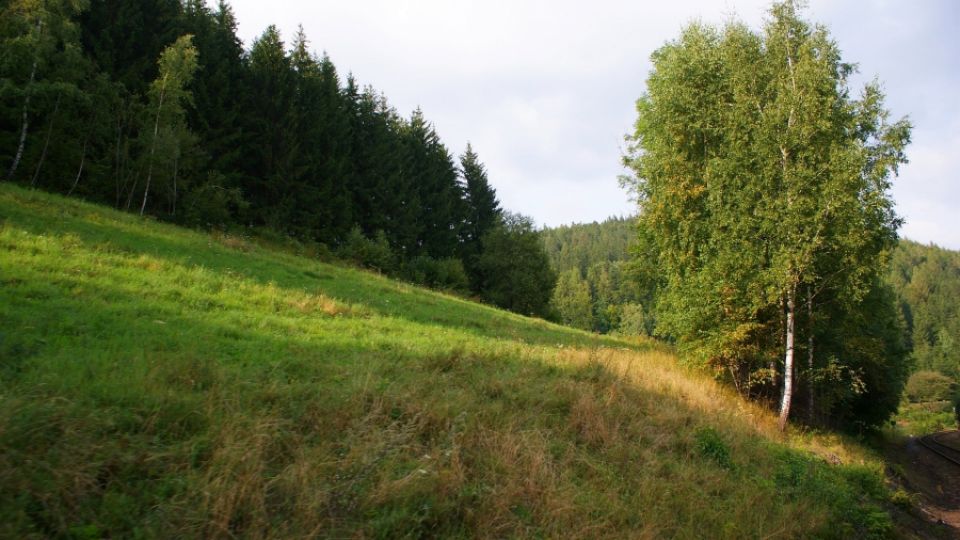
(168, 95)
(765, 188)
(39, 55)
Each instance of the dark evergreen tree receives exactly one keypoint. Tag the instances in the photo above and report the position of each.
(125, 37)
(215, 113)
(271, 148)
(436, 201)
(383, 199)
(322, 212)
(482, 213)
(517, 271)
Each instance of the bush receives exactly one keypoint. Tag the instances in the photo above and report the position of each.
(924, 386)
(212, 205)
(711, 445)
(372, 253)
(447, 274)
(633, 320)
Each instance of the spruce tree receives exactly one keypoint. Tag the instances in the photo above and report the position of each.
(482, 213)
(270, 122)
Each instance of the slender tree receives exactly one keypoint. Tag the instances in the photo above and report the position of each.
(168, 93)
(40, 64)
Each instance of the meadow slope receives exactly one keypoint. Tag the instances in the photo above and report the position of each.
(160, 382)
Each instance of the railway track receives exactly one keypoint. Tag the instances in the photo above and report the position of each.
(934, 442)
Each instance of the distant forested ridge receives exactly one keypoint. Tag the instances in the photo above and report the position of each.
(927, 281)
(155, 107)
(598, 288)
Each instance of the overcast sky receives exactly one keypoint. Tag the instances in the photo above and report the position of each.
(545, 89)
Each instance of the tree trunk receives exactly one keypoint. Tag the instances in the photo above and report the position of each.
(153, 145)
(25, 123)
(83, 158)
(133, 188)
(176, 169)
(788, 363)
(46, 143)
(810, 380)
(118, 163)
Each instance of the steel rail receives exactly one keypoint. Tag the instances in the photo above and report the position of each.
(947, 452)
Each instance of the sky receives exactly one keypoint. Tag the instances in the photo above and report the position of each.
(544, 90)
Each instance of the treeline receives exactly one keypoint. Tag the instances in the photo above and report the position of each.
(154, 106)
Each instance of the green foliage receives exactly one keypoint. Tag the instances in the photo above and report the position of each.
(584, 245)
(212, 204)
(372, 253)
(517, 273)
(595, 257)
(927, 282)
(765, 210)
(571, 300)
(710, 445)
(164, 129)
(956, 409)
(633, 321)
(446, 274)
(483, 213)
(918, 419)
(925, 386)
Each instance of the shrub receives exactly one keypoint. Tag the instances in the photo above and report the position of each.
(447, 273)
(712, 446)
(212, 205)
(372, 253)
(924, 386)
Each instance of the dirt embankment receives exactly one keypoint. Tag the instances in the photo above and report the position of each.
(933, 478)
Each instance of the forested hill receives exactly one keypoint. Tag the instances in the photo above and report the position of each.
(582, 245)
(155, 107)
(927, 281)
(597, 288)
(158, 382)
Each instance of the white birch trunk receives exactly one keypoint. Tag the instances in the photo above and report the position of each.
(25, 123)
(46, 143)
(83, 159)
(153, 145)
(788, 364)
(810, 398)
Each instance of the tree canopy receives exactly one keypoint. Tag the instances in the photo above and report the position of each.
(763, 188)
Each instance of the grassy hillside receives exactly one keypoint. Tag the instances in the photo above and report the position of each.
(157, 382)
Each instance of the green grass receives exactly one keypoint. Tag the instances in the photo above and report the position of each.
(158, 382)
(919, 419)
